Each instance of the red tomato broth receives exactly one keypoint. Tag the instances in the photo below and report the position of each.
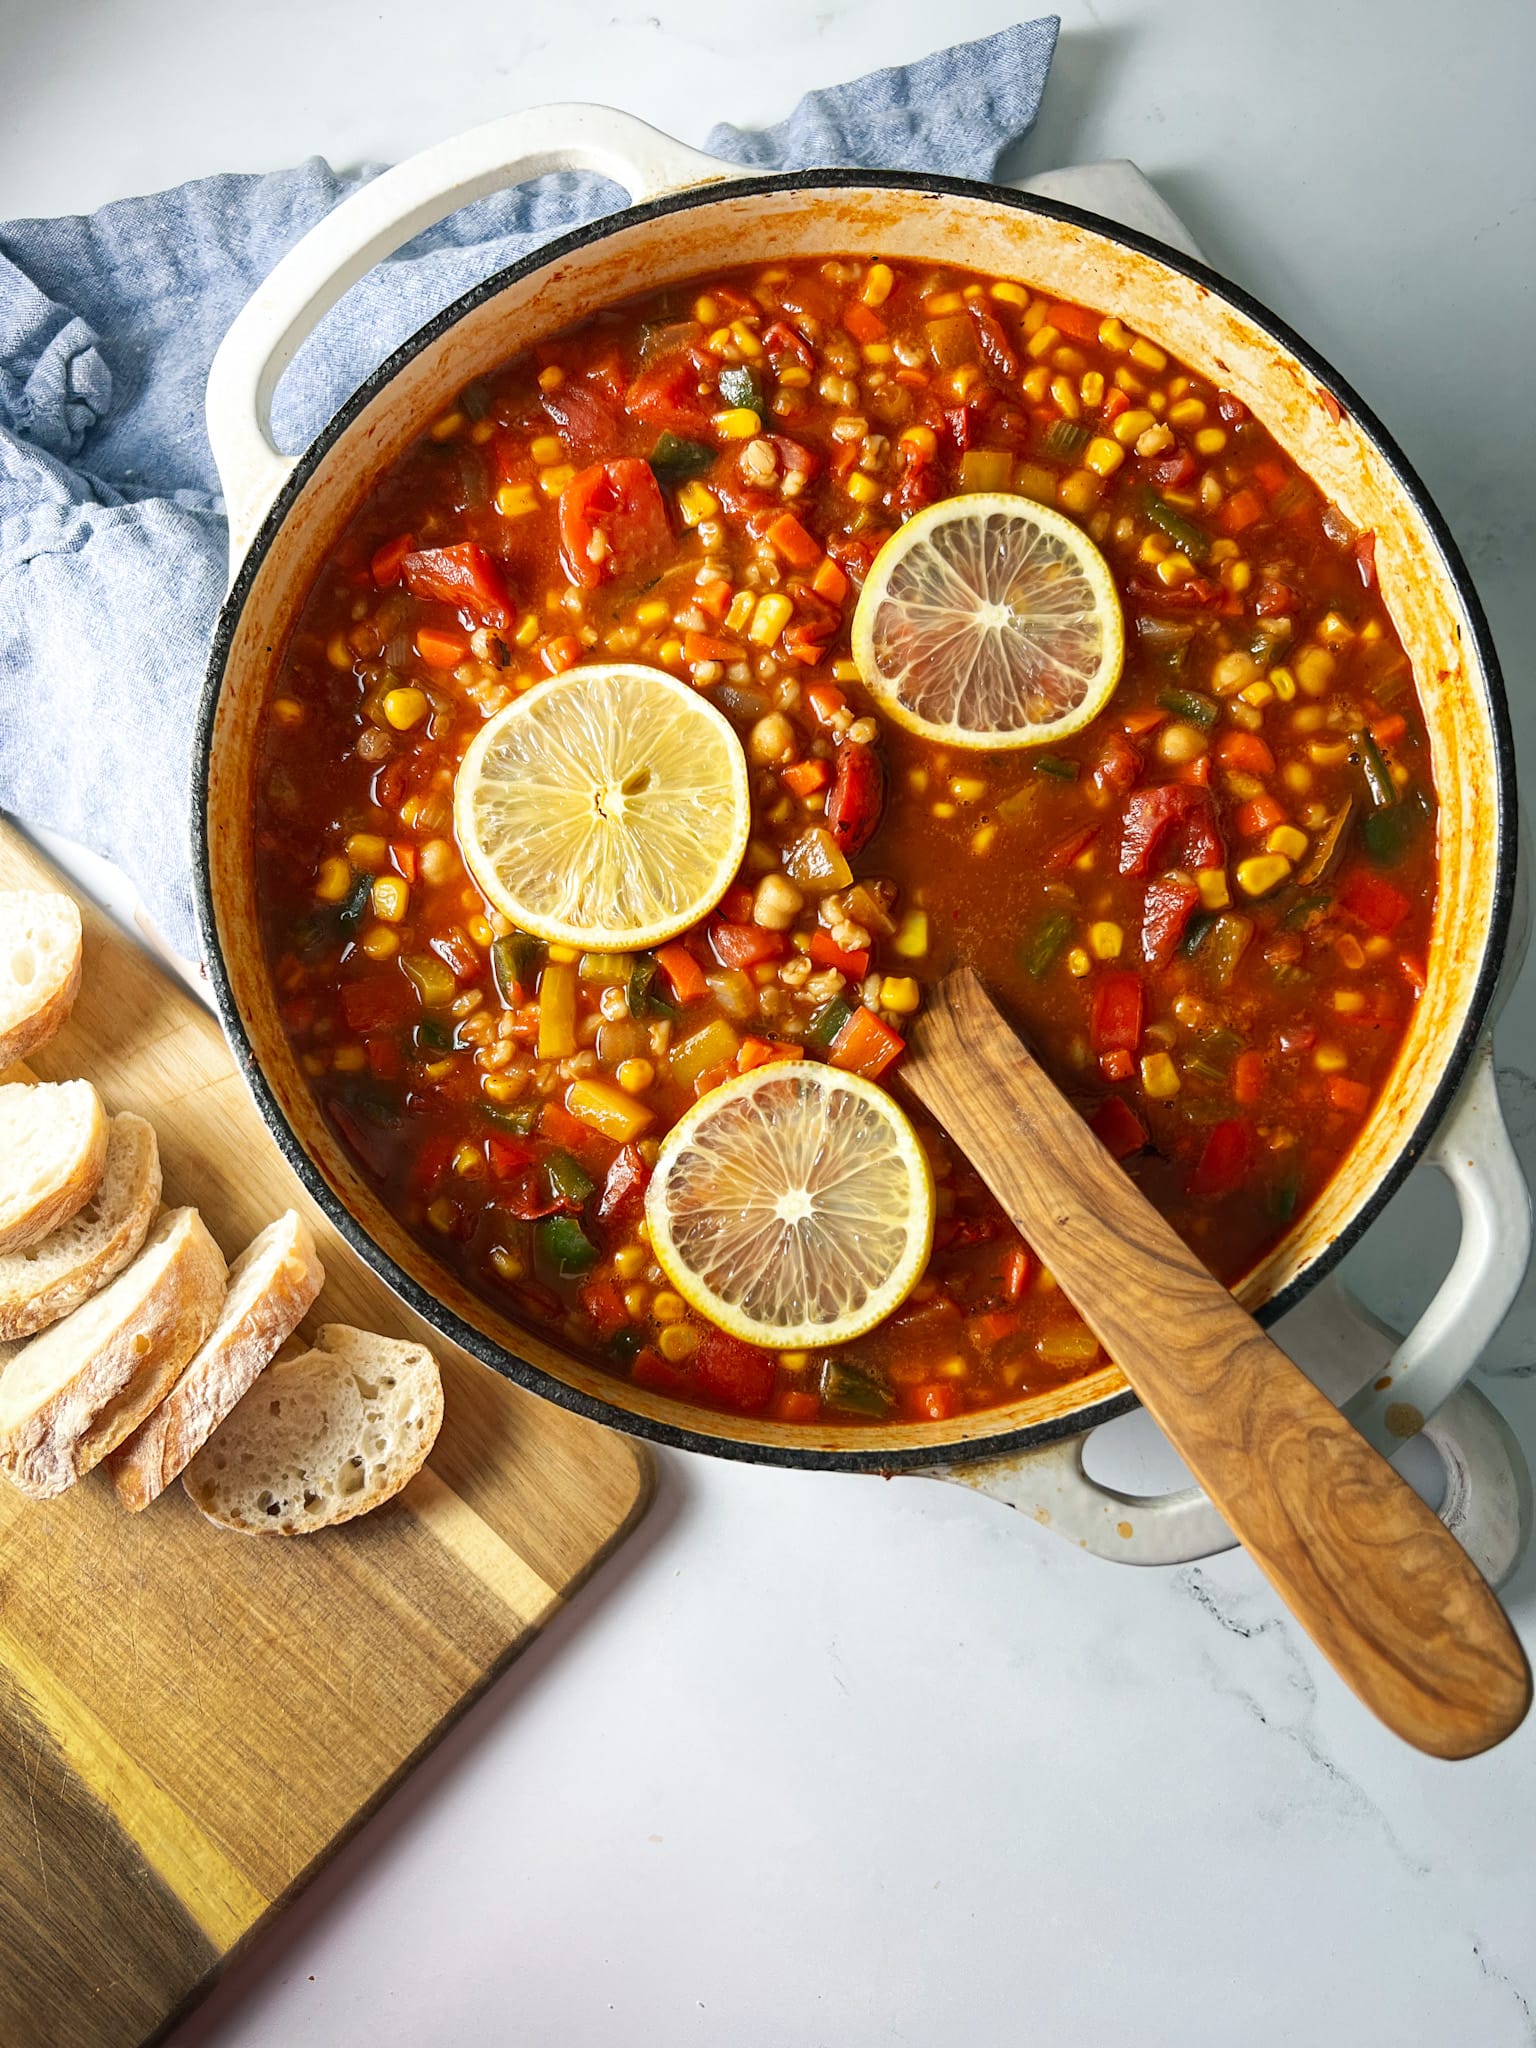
(700, 480)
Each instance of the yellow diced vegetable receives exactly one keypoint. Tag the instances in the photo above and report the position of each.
(771, 615)
(515, 501)
(715, 1046)
(911, 940)
(815, 861)
(1105, 940)
(367, 851)
(1289, 840)
(985, 469)
(546, 449)
(1079, 963)
(391, 897)
(1103, 456)
(861, 488)
(334, 879)
(1159, 1077)
(878, 280)
(695, 503)
(557, 1010)
(1262, 872)
(605, 1108)
(737, 423)
(1212, 884)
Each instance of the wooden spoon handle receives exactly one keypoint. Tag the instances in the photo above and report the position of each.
(1375, 1578)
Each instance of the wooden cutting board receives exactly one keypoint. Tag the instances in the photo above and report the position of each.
(192, 1721)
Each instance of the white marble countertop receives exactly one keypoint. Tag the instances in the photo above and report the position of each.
(826, 1760)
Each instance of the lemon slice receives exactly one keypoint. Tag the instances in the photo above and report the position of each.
(792, 1205)
(607, 808)
(990, 621)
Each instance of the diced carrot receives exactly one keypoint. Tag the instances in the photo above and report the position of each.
(761, 1052)
(1245, 751)
(707, 647)
(682, 971)
(1076, 321)
(844, 456)
(561, 653)
(865, 1045)
(1261, 814)
(1272, 475)
(1115, 404)
(829, 581)
(385, 1059)
(561, 1128)
(714, 598)
(405, 859)
(1016, 1272)
(1349, 1095)
(793, 542)
(993, 1325)
(825, 701)
(439, 649)
(826, 953)
(1116, 1065)
(1135, 723)
(1240, 511)
(934, 1401)
(1412, 972)
(794, 1404)
(1386, 732)
(713, 1077)
(1249, 1072)
(1197, 772)
(387, 560)
(862, 322)
(806, 777)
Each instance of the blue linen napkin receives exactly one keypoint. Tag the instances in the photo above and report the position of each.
(112, 536)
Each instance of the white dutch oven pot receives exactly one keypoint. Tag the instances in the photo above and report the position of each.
(690, 214)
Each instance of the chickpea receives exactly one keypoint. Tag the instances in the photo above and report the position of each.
(1178, 744)
(771, 740)
(777, 903)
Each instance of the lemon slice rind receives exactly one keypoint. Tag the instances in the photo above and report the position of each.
(990, 621)
(606, 809)
(793, 1206)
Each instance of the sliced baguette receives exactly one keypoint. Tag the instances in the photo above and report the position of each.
(321, 1437)
(53, 1152)
(39, 969)
(72, 1394)
(271, 1287)
(52, 1277)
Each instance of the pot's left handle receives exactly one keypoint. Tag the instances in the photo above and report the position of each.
(377, 220)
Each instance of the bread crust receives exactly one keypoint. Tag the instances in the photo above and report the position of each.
(25, 1307)
(47, 1019)
(226, 1365)
(55, 1203)
(54, 1434)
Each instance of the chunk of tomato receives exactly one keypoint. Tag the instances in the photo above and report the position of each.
(1166, 909)
(466, 575)
(1225, 1161)
(1173, 824)
(583, 418)
(667, 395)
(736, 1375)
(1119, 1007)
(613, 521)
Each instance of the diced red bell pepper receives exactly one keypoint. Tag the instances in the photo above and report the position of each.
(1173, 824)
(857, 798)
(1250, 1071)
(604, 1303)
(1166, 909)
(1225, 1161)
(661, 1376)
(744, 945)
(1117, 1065)
(736, 1375)
(1067, 850)
(1375, 902)
(466, 575)
(431, 1163)
(1118, 1128)
(381, 1003)
(1239, 512)
(992, 336)
(667, 395)
(1174, 471)
(826, 953)
(780, 339)
(389, 559)
(613, 521)
(386, 1062)
(1275, 601)
(456, 949)
(1119, 1010)
(507, 1157)
(1119, 765)
(624, 1189)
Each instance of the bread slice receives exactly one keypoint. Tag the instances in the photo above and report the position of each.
(72, 1394)
(53, 1152)
(39, 969)
(52, 1277)
(321, 1437)
(271, 1287)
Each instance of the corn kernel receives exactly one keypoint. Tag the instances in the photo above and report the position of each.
(922, 440)
(514, 501)
(480, 931)
(504, 1087)
(1078, 963)
(1314, 668)
(449, 425)
(967, 789)
(1330, 1059)
(1212, 884)
(442, 1215)
(1112, 335)
(982, 838)
(958, 382)
(552, 378)
(1210, 441)
(1064, 396)
(737, 423)
(1078, 492)
(1348, 1001)
(1159, 1077)
(1103, 456)
(630, 1261)
(1289, 840)
(506, 1262)
(911, 940)
(677, 1342)
(527, 632)
(1189, 412)
(1148, 354)
(878, 280)
(379, 942)
(1350, 951)
(845, 671)
(944, 810)
(862, 489)
(1259, 694)
(349, 1059)
(1091, 389)
(634, 1076)
(1174, 570)
(771, 614)
(1262, 872)
(405, 708)
(367, 850)
(1105, 940)
(671, 652)
(668, 1307)
(1328, 754)
(1042, 341)
(695, 503)
(900, 993)
(337, 652)
(288, 711)
(468, 1161)
(1010, 294)
(745, 339)
(636, 1301)
(654, 612)
(391, 896)
(545, 449)
(878, 352)
(1284, 684)
(940, 304)
(334, 879)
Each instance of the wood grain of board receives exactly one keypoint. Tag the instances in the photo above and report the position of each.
(192, 1721)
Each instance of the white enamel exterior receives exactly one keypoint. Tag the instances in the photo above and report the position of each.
(1472, 1147)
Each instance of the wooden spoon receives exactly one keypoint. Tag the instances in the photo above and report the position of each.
(1376, 1580)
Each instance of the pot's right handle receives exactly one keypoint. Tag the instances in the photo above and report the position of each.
(375, 221)
(1422, 1376)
